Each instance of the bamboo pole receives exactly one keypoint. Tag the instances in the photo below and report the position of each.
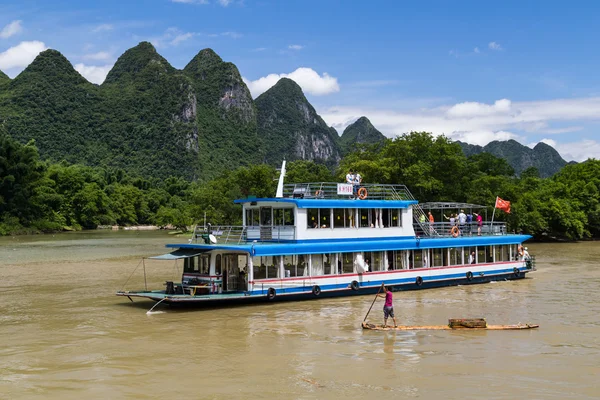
(373, 302)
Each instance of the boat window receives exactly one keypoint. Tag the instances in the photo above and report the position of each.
(390, 218)
(484, 254)
(325, 217)
(302, 265)
(501, 253)
(203, 264)
(278, 216)
(439, 258)
(467, 255)
(328, 264)
(339, 219)
(218, 265)
(288, 216)
(418, 259)
(398, 260)
(347, 263)
(317, 266)
(312, 217)
(289, 266)
(265, 216)
(266, 267)
(455, 255)
(364, 219)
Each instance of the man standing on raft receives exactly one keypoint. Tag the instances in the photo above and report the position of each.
(388, 307)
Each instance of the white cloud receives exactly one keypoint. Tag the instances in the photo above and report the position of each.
(308, 79)
(93, 73)
(495, 46)
(233, 35)
(480, 123)
(473, 109)
(182, 38)
(103, 28)
(295, 47)
(21, 55)
(476, 50)
(225, 3)
(11, 29)
(191, 1)
(99, 56)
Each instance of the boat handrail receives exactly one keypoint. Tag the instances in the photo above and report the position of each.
(445, 229)
(329, 190)
(236, 234)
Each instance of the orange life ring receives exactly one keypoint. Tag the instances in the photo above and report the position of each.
(454, 231)
(362, 193)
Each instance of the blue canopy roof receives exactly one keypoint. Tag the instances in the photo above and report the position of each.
(333, 203)
(355, 245)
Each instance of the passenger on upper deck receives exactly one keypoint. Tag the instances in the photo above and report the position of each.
(479, 219)
(357, 182)
(350, 177)
(462, 220)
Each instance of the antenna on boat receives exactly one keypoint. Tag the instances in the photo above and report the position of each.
(280, 183)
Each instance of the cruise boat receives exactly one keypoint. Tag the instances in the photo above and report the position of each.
(319, 240)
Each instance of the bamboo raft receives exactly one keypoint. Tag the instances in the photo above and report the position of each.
(468, 324)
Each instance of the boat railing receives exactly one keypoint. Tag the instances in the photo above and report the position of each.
(335, 190)
(233, 234)
(446, 229)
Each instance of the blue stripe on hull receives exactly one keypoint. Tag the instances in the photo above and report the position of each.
(341, 290)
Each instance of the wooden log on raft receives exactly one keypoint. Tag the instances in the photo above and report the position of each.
(455, 323)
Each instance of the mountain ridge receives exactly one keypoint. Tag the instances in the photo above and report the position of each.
(360, 131)
(292, 129)
(543, 156)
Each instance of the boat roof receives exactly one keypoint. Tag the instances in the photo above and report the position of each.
(331, 203)
(354, 245)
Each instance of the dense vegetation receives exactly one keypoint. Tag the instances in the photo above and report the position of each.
(43, 196)
(147, 118)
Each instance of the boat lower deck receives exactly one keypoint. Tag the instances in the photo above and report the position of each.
(270, 294)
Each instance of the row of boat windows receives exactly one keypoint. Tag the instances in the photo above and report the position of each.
(269, 267)
(352, 217)
(325, 217)
(268, 216)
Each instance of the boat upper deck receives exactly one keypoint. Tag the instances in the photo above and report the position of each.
(344, 191)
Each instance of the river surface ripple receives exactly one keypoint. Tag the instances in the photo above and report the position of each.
(64, 335)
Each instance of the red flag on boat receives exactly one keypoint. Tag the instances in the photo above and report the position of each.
(503, 205)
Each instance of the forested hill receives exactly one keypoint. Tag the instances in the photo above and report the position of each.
(543, 157)
(153, 120)
(3, 78)
(292, 129)
(360, 132)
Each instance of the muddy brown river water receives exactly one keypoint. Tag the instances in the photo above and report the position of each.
(65, 335)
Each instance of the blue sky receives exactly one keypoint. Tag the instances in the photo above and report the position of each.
(474, 71)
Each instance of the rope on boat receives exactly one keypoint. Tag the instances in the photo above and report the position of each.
(125, 284)
(150, 310)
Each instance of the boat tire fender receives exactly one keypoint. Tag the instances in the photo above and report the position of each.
(316, 290)
(419, 281)
(517, 272)
(362, 193)
(454, 231)
(354, 285)
(469, 276)
(271, 293)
